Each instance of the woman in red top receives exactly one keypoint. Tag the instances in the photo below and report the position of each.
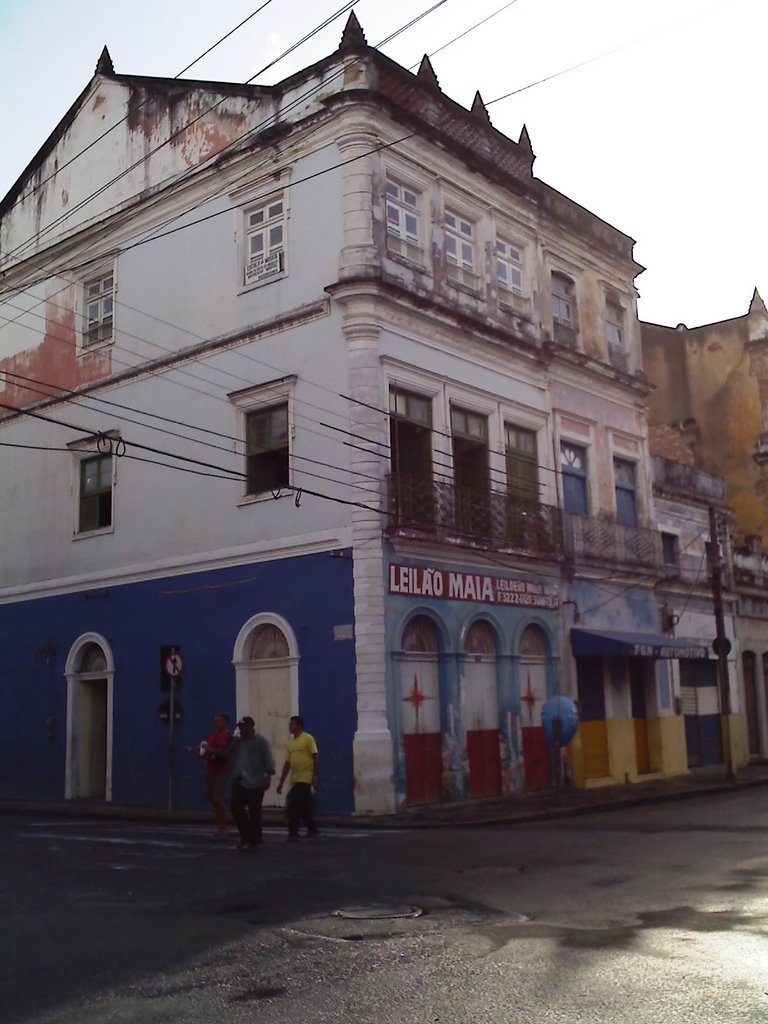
(216, 757)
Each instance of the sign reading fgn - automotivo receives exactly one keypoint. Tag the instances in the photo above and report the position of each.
(445, 584)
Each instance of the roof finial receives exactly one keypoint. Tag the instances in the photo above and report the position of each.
(353, 37)
(480, 110)
(757, 305)
(426, 73)
(105, 65)
(525, 140)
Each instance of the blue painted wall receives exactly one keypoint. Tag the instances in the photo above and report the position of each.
(203, 613)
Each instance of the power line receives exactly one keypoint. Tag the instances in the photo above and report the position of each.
(229, 147)
(348, 5)
(410, 24)
(231, 473)
(28, 194)
(182, 356)
(607, 53)
(465, 33)
(75, 397)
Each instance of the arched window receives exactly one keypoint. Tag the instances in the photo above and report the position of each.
(420, 636)
(92, 659)
(533, 643)
(266, 643)
(480, 640)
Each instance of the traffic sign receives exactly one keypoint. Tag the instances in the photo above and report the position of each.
(726, 645)
(164, 711)
(171, 667)
(174, 664)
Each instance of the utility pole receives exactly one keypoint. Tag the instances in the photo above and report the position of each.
(721, 645)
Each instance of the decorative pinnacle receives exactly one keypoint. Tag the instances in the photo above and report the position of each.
(353, 37)
(757, 305)
(525, 140)
(105, 65)
(480, 110)
(426, 73)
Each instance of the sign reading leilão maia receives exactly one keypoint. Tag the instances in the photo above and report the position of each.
(420, 581)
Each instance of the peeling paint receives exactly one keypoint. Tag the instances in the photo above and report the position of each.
(55, 360)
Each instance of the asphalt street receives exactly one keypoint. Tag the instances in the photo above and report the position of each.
(648, 914)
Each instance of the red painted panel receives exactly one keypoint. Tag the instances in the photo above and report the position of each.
(484, 762)
(423, 767)
(536, 767)
(55, 360)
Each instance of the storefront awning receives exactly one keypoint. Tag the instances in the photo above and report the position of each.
(605, 644)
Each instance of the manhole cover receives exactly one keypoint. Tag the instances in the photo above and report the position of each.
(377, 912)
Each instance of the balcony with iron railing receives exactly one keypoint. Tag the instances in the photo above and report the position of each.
(687, 481)
(564, 333)
(500, 521)
(463, 516)
(600, 539)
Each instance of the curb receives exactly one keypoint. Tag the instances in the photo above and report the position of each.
(440, 820)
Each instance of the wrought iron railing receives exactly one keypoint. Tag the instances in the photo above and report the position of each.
(687, 480)
(564, 333)
(496, 520)
(601, 539)
(461, 515)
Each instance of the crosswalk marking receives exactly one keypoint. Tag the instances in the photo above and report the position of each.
(162, 836)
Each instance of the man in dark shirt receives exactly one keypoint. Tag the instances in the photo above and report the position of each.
(252, 769)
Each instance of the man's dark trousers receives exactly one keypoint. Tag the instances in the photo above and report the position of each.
(246, 810)
(298, 806)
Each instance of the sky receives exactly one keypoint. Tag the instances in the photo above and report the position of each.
(660, 131)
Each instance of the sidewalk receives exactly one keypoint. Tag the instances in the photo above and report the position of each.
(544, 806)
(531, 807)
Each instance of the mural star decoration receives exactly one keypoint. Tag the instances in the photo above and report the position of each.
(529, 700)
(416, 698)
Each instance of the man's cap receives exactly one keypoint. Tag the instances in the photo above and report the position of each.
(246, 720)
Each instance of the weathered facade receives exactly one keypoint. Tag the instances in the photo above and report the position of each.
(318, 384)
(711, 384)
(685, 497)
(710, 404)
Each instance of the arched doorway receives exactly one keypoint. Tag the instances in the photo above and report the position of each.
(267, 683)
(480, 711)
(90, 673)
(533, 693)
(420, 701)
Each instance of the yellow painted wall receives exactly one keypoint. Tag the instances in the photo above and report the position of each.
(706, 373)
(672, 749)
(666, 749)
(621, 747)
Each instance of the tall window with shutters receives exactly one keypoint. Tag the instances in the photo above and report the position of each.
(573, 465)
(99, 295)
(264, 241)
(403, 205)
(626, 499)
(410, 438)
(522, 480)
(266, 451)
(460, 246)
(564, 315)
(95, 493)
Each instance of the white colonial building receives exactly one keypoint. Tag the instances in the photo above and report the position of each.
(318, 387)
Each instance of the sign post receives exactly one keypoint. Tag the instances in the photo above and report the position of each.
(171, 666)
(560, 720)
